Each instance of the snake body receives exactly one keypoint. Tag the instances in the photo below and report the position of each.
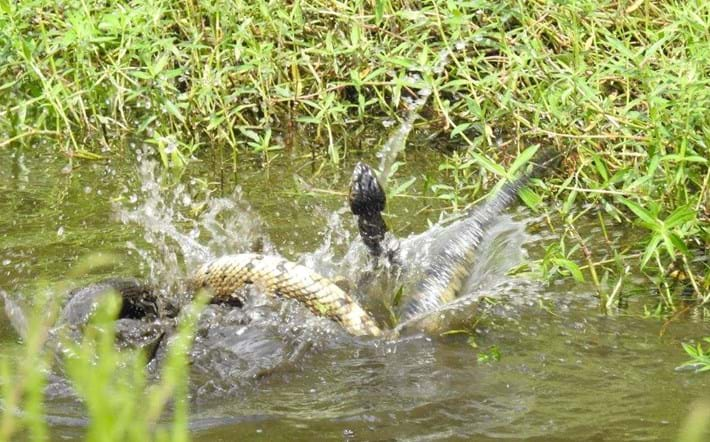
(276, 275)
(443, 278)
(442, 281)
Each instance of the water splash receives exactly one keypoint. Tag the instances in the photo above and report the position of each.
(396, 143)
(324, 259)
(15, 315)
(177, 237)
(496, 252)
(182, 231)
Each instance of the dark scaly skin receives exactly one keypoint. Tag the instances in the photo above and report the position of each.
(448, 269)
(137, 300)
(138, 324)
(367, 201)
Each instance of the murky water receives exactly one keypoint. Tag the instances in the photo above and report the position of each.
(565, 371)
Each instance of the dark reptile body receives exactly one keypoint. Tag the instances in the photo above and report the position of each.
(443, 277)
(449, 267)
(367, 202)
(137, 300)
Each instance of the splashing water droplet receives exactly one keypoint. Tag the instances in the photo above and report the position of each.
(179, 241)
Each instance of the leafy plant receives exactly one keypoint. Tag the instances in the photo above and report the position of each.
(700, 357)
(112, 384)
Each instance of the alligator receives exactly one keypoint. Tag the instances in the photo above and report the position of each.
(449, 266)
(442, 280)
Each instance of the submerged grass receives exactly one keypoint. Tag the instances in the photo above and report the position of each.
(699, 356)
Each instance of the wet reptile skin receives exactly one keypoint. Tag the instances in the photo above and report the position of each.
(281, 277)
(443, 279)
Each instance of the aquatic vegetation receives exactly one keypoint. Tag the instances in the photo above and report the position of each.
(22, 384)
(112, 384)
(700, 357)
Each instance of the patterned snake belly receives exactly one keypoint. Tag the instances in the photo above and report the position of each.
(287, 279)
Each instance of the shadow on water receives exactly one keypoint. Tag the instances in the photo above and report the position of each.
(272, 371)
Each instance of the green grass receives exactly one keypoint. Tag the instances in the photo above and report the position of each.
(112, 385)
(699, 356)
(621, 86)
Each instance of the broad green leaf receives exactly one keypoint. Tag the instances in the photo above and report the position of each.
(250, 134)
(688, 159)
(670, 248)
(680, 216)
(379, 10)
(690, 349)
(459, 128)
(529, 197)
(403, 186)
(6, 6)
(311, 120)
(650, 249)
(141, 75)
(404, 62)
(571, 267)
(174, 110)
(569, 202)
(523, 158)
(653, 164)
(642, 213)
(601, 168)
(678, 243)
(489, 165)
(374, 74)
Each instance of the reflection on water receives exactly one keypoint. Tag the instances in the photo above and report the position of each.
(274, 372)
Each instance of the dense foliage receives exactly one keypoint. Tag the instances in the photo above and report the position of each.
(622, 86)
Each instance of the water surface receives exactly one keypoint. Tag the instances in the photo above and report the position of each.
(565, 371)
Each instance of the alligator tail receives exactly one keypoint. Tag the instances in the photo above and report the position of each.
(449, 268)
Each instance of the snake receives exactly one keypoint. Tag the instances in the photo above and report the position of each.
(225, 275)
(442, 280)
(443, 277)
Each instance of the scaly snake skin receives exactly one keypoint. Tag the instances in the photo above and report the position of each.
(284, 278)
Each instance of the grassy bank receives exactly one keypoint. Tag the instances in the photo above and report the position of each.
(622, 86)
